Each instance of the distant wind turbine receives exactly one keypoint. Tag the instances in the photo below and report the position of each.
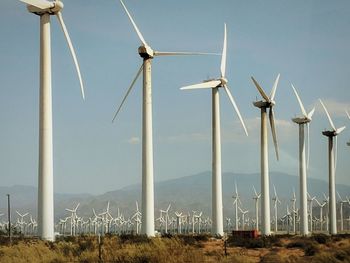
(332, 167)
(256, 198)
(275, 201)
(44, 9)
(147, 54)
(267, 102)
(302, 121)
(215, 85)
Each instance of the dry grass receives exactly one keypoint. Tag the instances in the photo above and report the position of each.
(187, 249)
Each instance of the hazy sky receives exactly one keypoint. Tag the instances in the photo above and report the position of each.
(308, 42)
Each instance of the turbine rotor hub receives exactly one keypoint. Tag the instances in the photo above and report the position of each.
(223, 80)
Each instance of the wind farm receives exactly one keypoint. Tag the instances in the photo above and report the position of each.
(175, 164)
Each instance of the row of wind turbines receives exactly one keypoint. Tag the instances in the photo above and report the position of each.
(44, 9)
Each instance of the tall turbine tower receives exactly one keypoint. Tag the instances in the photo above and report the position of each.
(347, 114)
(332, 159)
(217, 208)
(268, 102)
(147, 54)
(302, 121)
(44, 9)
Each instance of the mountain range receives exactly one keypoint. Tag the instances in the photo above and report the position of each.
(185, 194)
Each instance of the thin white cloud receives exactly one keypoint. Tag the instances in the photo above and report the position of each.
(134, 140)
(334, 107)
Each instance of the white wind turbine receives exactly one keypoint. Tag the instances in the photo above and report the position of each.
(215, 85)
(275, 201)
(303, 165)
(256, 200)
(294, 210)
(268, 102)
(44, 9)
(321, 212)
(236, 199)
(341, 201)
(243, 215)
(73, 219)
(310, 201)
(166, 219)
(147, 54)
(332, 159)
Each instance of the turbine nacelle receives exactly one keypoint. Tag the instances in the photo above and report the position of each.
(146, 52)
(52, 9)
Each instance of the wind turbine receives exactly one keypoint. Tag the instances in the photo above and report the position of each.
(256, 198)
(310, 201)
(166, 212)
(302, 121)
(73, 219)
(275, 201)
(243, 215)
(44, 9)
(332, 167)
(267, 102)
(341, 201)
(294, 210)
(147, 54)
(214, 85)
(236, 199)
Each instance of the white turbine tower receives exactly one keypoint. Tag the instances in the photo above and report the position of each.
(215, 85)
(256, 198)
(275, 201)
(332, 159)
(347, 114)
(147, 54)
(303, 165)
(268, 102)
(44, 9)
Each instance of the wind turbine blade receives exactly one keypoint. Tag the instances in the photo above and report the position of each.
(167, 210)
(203, 85)
(339, 196)
(311, 113)
(134, 25)
(64, 29)
(339, 130)
(273, 130)
(228, 92)
(127, 93)
(77, 207)
(274, 189)
(261, 91)
(300, 103)
(256, 194)
(236, 189)
(166, 53)
(347, 113)
(41, 4)
(274, 88)
(223, 56)
(329, 117)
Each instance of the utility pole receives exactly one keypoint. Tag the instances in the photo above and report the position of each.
(9, 217)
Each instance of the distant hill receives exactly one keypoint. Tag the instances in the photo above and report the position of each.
(185, 194)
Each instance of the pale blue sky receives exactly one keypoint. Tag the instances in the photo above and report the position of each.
(308, 42)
